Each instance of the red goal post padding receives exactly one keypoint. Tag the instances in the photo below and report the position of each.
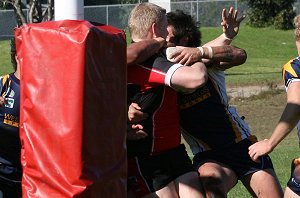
(73, 109)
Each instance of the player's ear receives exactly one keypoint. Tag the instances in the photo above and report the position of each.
(154, 30)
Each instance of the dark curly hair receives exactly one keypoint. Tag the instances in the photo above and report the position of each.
(185, 26)
(13, 52)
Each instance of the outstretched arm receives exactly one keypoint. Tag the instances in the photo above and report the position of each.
(230, 25)
(287, 122)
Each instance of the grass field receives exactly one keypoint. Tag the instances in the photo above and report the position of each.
(267, 50)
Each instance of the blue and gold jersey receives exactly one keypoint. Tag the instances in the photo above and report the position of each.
(9, 119)
(291, 72)
(207, 120)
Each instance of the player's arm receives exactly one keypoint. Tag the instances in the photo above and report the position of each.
(140, 51)
(225, 57)
(222, 57)
(187, 78)
(287, 122)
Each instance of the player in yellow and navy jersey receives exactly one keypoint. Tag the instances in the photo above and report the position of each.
(289, 119)
(10, 146)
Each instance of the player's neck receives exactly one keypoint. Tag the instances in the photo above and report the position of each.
(17, 73)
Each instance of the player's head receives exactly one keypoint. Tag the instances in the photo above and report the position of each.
(297, 27)
(147, 20)
(183, 30)
(13, 53)
(297, 32)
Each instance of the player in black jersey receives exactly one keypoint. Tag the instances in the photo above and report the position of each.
(10, 146)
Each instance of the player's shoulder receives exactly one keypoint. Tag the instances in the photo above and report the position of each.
(4, 78)
(292, 68)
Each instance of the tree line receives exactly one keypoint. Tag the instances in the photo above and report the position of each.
(262, 13)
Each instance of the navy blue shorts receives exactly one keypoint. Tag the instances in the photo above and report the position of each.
(152, 173)
(294, 181)
(10, 181)
(236, 157)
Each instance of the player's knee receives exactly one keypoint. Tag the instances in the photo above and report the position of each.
(213, 184)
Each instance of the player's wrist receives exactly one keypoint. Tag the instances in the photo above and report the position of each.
(201, 52)
(206, 52)
(227, 38)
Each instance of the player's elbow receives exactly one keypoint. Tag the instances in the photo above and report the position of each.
(200, 80)
(197, 81)
(243, 55)
(240, 56)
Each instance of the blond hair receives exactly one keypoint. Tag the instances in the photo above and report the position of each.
(142, 17)
(297, 27)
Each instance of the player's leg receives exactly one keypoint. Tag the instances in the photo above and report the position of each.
(168, 191)
(293, 186)
(288, 193)
(263, 184)
(217, 179)
(189, 186)
(258, 177)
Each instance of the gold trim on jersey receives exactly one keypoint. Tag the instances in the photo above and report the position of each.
(288, 68)
(4, 81)
(196, 97)
(11, 120)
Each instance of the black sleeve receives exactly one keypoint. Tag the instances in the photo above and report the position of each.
(150, 100)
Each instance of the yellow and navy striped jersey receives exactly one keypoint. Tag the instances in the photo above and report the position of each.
(291, 71)
(9, 120)
(207, 120)
(290, 74)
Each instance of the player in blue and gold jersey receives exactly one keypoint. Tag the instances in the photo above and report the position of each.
(289, 118)
(10, 146)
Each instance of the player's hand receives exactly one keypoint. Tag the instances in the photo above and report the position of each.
(230, 23)
(185, 55)
(135, 114)
(135, 132)
(259, 149)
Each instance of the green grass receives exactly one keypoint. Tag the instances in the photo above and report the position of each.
(267, 49)
(5, 65)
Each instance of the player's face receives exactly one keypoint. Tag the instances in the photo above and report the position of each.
(172, 38)
(298, 47)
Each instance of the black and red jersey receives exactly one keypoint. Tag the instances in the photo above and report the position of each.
(155, 97)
